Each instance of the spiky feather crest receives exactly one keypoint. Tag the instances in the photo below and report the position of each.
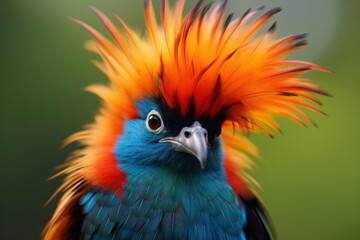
(206, 61)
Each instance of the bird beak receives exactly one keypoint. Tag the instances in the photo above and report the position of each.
(192, 140)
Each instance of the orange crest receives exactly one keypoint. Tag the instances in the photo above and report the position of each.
(215, 64)
(207, 63)
(211, 63)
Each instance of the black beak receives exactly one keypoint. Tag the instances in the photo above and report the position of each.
(192, 140)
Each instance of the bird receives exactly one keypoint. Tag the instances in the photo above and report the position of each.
(168, 154)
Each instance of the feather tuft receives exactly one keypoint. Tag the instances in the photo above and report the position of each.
(207, 63)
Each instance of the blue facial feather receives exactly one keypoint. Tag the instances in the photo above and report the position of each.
(167, 194)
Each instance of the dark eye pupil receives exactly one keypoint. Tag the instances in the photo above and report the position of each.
(154, 122)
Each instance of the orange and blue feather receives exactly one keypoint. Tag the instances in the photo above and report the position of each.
(207, 71)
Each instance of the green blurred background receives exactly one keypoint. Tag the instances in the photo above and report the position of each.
(310, 176)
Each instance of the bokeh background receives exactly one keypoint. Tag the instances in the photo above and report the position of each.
(310, 176)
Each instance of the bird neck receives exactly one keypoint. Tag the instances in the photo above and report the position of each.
(178, 204)
(170, 183)
(174, 176)
(173, 189)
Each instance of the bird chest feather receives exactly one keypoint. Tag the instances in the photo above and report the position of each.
(161, 205)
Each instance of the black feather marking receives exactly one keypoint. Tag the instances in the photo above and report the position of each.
(223, 6)
(217, 88)
(175, 121)
(76, 222)
(189, 19)
(260, 8)
(258, 223)
(203, 71)
(272, 12)
(272, 28)
(230, 55)
(206, 8)
(298, 41)
(313, 90)
(188, 22)
(227, 21)
(300, 44)
(301, 36)
(297, 70)
(220, 16)
(288, 94)
(244, 15)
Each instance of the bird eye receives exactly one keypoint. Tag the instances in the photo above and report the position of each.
(154, 122)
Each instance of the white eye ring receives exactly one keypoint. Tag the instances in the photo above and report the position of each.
(157, 124)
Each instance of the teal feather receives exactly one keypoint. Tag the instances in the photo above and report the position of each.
(167, 195)
(170, 216)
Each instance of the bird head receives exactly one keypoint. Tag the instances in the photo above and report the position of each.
(185, 95)
(162, 137)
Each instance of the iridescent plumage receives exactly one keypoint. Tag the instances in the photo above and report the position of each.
(206, 67)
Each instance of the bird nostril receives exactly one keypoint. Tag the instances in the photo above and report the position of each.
(187, 134)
